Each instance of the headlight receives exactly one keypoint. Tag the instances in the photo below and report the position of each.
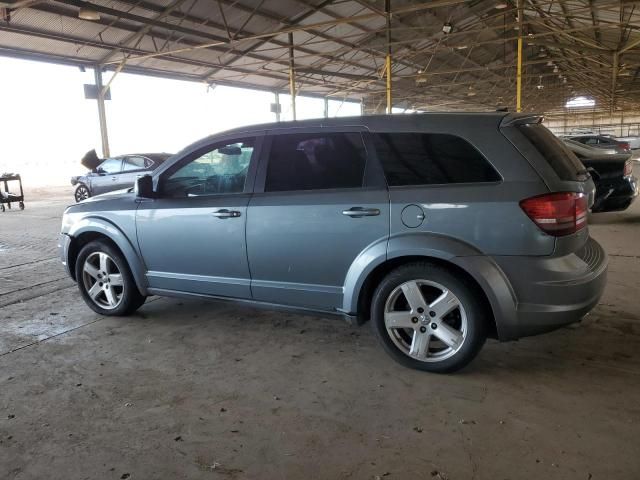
(67, 222)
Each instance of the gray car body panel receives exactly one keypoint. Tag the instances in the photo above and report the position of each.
(297, 250)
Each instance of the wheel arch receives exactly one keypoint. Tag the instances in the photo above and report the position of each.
(480, 271)
(90, 229)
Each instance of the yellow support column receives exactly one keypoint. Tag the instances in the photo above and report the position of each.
(519, 72)
(387, 9)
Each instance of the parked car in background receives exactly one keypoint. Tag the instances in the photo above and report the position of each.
(442, 229)
(115, 173)
(601, 141)
(616, 187)
(633, 141)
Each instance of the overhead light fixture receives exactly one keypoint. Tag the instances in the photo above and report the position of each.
(549, 63)
(88, 14)
(461, 47)
(447, 28)
(540, 86)
(555, 69)
(501, 6)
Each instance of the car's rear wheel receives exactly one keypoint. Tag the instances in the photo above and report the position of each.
(428, 318)
(82, 192)
(105, 280)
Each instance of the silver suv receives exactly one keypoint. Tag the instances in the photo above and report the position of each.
(442, 229)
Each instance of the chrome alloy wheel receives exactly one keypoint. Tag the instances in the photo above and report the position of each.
(82, 193)
(103, 280)
(425, 320)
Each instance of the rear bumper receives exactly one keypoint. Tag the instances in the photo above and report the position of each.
(552, 291)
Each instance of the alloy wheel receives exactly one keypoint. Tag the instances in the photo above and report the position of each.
(425, 320)
(102, 280)
(82, 193)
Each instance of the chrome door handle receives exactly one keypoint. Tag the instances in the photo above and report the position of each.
(357, 212)
(113, 179)
(224, 213)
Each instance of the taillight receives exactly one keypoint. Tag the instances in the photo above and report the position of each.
(625, 145)
(628, 168)
(557, 214)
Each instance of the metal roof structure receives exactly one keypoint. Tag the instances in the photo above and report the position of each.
(446, 54)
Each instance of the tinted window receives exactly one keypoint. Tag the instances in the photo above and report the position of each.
(220, 170)
(133, 163)
(560, 158)
(431, 158)
(315, 162)
(111, 165)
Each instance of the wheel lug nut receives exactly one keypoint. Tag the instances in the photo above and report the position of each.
(432, 313)
(420, 310)
(414, 320)
(434, 326)
(423, 329)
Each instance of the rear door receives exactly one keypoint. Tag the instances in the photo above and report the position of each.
(133, 166)
(319, 203)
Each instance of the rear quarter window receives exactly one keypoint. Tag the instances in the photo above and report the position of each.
(562, 160)
(431, 159)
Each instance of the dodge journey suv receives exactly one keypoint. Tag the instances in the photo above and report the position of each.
(441, 229)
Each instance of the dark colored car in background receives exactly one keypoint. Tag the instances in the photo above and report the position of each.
(612, 173)
(109, 174)
(601, 141)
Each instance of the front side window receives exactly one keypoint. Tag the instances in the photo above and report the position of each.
(431, 158)
(315, 161)
(110, 165)
(132, 163)
(220, 170)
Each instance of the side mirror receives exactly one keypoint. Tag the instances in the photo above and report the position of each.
(144, 187)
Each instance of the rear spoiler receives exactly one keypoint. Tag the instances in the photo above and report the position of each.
(513, 119)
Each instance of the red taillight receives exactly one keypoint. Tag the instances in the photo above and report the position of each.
(625, 145)
(557, 214)
(628, 168)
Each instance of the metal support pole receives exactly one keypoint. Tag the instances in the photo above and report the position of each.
(292, 78)
(519, 68)
(362, 106)
(614, 80)
(387, 9)
(102, 114)
(326, 107)
(277, 97)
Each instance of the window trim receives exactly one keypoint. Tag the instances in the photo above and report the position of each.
(139, 169)
(431, 185)
(200, 149)
(370, 179)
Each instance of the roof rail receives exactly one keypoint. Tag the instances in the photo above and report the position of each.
(521, 119)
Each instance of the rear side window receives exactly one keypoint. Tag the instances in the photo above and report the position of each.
(560, 158)
(431, 158)
(315, 162)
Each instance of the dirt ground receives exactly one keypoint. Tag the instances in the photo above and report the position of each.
(200, 390)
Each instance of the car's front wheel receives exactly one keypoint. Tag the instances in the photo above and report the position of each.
(82, 192)
(428, 318)
(105, 280)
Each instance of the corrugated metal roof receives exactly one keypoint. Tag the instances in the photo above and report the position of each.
(340, 46)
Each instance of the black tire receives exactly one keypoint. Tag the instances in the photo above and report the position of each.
(21, 204)
(2, 209)
(82, 192)
(128, 296)
(476, 319)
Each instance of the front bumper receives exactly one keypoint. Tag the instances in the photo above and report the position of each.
(553, 291)
(64, 241)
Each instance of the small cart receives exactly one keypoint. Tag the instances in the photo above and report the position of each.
(7, 197)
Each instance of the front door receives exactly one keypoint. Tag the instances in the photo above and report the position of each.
(107, 178)
(192, 238)
(317, 206)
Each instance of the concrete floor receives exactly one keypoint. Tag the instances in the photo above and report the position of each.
(191, 389)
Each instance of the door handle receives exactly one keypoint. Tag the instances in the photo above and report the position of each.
(224, 213)
(357, 212)
(113, 179)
